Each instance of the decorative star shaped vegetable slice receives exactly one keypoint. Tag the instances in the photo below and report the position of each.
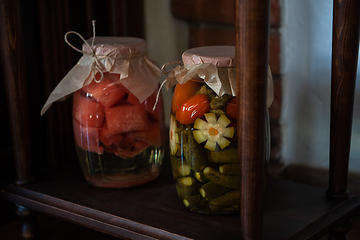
(213, 131)
(174, 137)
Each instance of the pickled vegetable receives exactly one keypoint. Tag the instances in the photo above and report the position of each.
(229, 169)
(214, 131)
(184, 191)
(219, 102)
(200, 134)
(227, 155)
(201, 148)
(193, 108)
(186, 181)
(180, 168)
(226, 200)
(183, 91)
(174, 137)
(87, 111)
(203, 136)
(206, 90)
(195, 201)
(231, 181)
(193, 152)
(201, 177)
(212, 190)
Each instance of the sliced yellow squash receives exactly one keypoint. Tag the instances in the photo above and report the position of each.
(213, 131)
(174, 137)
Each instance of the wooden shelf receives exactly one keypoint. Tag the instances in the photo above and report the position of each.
(154, 211)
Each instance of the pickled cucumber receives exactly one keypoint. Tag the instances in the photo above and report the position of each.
(212, 190)
(208, 91)
(231, 181)
(180, 168)
(195, 201)
(218, 112)
(226, 155)
(230, 169)
(193, 152)
(201, 177)
(226, 200)
(185, 181)
(184, 191)
(219, 102)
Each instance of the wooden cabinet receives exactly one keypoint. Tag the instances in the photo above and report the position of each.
(287, 210)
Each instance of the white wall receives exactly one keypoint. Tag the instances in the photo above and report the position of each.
(167, 39)
(306, 65)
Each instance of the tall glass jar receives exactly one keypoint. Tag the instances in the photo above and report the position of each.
(203, 141)
(118, 128)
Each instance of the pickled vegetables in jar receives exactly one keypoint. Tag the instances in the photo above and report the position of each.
(119, 137)
(203, 141)
(118, 115)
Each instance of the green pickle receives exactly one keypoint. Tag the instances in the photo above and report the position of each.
(226, 155)
(195, 202)
(200, 184)
(219, 102)
(229, 169)
(226, 200)
(206, 90)
(185, 181)
(193, 152)
(201, 177)
(179, 167)
(212, 190)
(184, 191)
(231, 181)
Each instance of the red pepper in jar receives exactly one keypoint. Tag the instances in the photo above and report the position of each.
(193, 108)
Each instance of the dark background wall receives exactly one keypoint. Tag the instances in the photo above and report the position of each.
(47, 60)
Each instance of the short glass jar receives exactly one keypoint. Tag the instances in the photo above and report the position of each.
(203, 139)
(119, 135)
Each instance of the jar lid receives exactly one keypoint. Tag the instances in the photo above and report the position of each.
(220, 56)
(123, 46)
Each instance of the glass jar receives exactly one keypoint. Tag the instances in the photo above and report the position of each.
(203, 141)
(118, 128)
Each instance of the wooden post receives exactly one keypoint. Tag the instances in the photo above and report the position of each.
(345, 51)
(12, 56)
(252, 44)
(13, 63)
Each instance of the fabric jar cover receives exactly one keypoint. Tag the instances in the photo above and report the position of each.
(125, 56)
(216, 66)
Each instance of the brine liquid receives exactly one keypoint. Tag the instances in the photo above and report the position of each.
(111, 171)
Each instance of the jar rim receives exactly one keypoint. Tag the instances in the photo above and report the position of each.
(220, 56)
(117, 46)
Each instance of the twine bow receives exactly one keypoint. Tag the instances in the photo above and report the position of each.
(165, 81)
(96, 67)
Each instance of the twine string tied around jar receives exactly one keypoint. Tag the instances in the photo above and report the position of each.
(96, 66)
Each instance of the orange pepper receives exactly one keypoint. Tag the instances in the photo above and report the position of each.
(184, 91)
(193, 108)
